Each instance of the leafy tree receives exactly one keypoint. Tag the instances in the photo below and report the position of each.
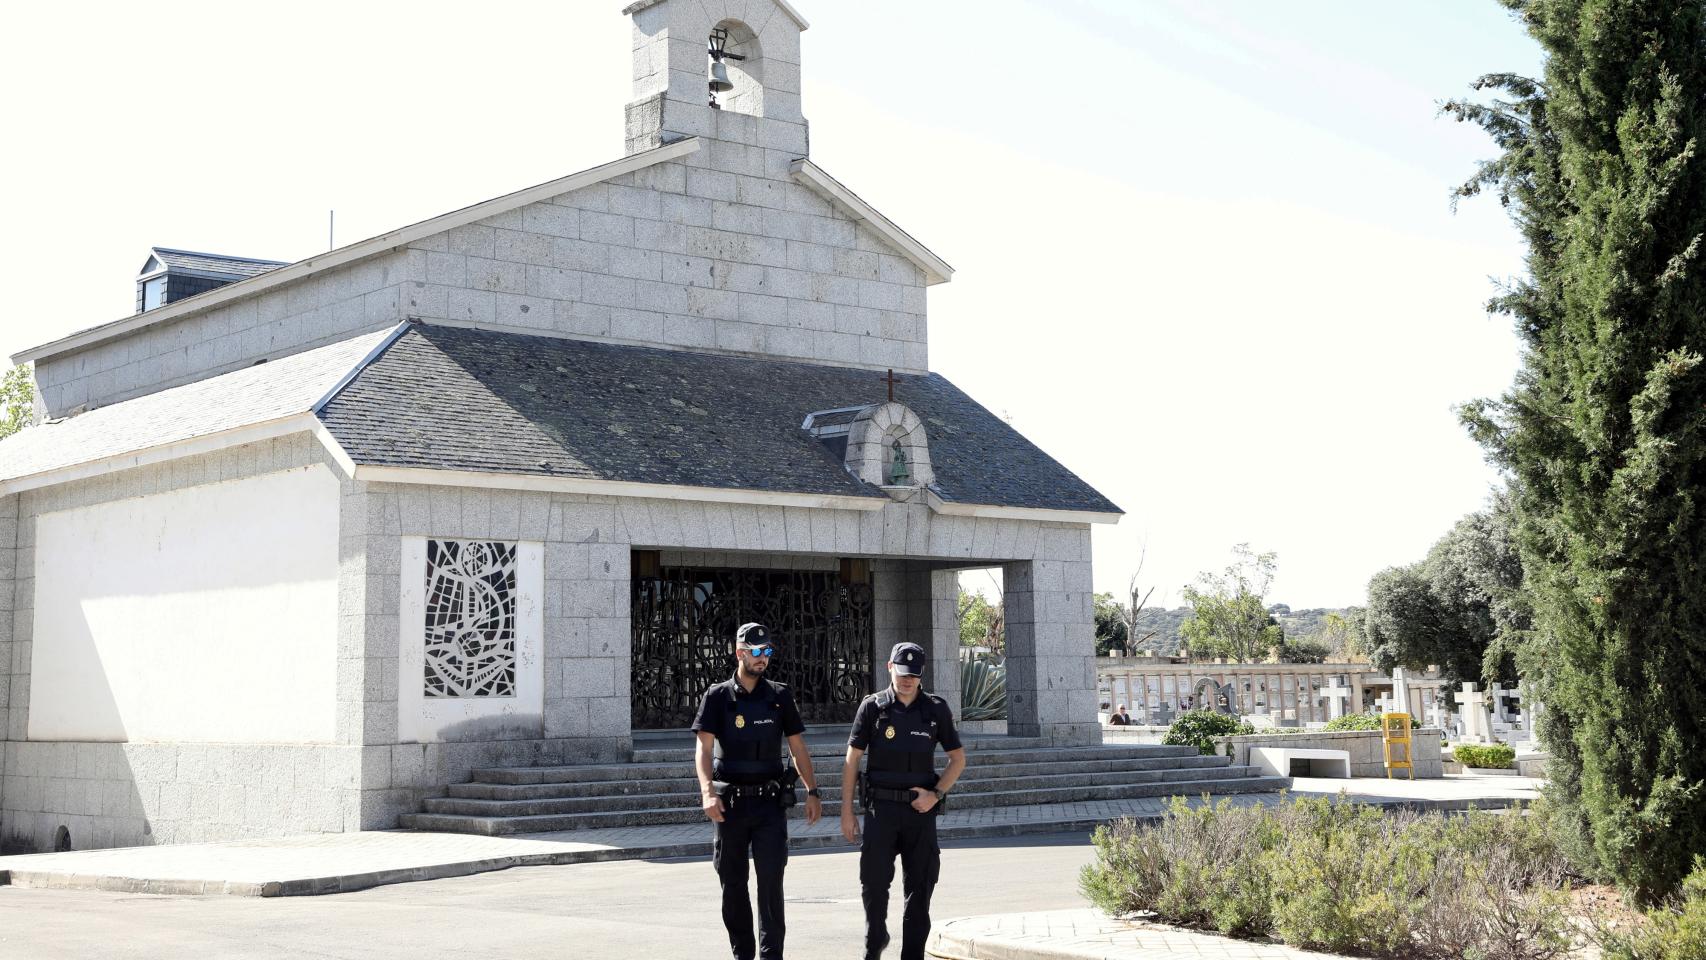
(1603, 433)
(1228, 615)
(1344, 637)
(17, 400)
(1110, 624)
(979, 619)
(1304, 650)
(1462, 607)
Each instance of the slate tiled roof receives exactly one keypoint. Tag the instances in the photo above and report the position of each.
(244, 267)
(241, 398)
(477, 400)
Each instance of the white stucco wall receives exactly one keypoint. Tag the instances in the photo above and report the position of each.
(206, 614)
(423, 719)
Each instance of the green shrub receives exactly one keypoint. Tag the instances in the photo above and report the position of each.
(1341, 876)
(983, 690)
(1355, 721)
(1676, 931)
(1362, 721)
(1200, 728)
(1200, 866)
(1495, 756)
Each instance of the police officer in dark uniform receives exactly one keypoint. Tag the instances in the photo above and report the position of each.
(746, 790)
(902, 795)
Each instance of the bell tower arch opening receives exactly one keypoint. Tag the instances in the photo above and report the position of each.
(736, 75)
(720, 69)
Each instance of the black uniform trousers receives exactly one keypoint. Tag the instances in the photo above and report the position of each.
(760, 826)
(893, 827)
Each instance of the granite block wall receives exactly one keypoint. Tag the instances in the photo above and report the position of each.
(114, 794)
(721, 250)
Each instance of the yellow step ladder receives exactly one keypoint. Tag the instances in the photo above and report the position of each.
(1395, 734)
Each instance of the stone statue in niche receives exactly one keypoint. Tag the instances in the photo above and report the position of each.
(899, 472)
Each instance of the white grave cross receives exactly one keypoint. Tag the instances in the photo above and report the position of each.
(1338, 695)
(1474, 706)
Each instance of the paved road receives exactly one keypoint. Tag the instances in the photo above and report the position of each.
(652, 909)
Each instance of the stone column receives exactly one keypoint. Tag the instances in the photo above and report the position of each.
(10, 657)
(933, 623)
(888, 592)
(1051, 663)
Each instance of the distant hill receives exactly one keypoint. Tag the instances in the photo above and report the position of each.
(1298, 624)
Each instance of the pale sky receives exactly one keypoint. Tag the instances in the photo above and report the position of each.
(1205, 252)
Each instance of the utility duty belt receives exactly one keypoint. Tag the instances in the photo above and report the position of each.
(780, 789)
(869, 794)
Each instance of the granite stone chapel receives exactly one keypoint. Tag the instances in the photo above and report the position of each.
(296, 545)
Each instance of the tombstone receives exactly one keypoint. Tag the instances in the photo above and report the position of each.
(1163, 715)
(1476, 726)
(1338, 696)
(1400, 691)
(1439, 716)
(1507, 705)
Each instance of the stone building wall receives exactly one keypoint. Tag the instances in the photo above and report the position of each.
(138, 793)
(588, 639)
(330, 306)
(721, 250)
(121, 794)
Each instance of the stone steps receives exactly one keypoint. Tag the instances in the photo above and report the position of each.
(686, 797)
(649, 765)
(660, 788)
(977, 746)
(554, 789)
(550, 823)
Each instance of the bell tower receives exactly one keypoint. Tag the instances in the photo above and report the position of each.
(720, 69)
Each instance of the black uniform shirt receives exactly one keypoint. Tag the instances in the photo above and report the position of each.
(714, 712)
(865, 721)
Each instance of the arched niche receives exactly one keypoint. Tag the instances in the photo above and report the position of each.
(747, 74)
(872, 439)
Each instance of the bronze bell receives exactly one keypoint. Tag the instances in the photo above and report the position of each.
(720, 82)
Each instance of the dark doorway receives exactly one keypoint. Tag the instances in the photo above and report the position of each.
(684, 625)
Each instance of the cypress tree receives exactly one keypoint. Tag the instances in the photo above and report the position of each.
(1601, 434)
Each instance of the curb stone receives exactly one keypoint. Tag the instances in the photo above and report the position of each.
(146, 878)
(1087, 934)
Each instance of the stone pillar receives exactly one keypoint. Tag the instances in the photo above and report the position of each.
(889, 593)
(10, 656)
(933, 623)
(1051, 662)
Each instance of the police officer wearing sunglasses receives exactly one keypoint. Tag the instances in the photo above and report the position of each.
(746, 789)
(902, 796)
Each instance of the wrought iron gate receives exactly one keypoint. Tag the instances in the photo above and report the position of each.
(684, 626)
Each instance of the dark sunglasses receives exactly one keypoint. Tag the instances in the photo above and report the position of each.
(762, 651)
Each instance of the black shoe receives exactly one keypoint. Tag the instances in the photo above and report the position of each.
(879, 954)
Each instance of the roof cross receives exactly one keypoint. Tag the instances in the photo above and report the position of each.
(891, 380)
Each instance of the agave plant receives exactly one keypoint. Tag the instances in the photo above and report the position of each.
(983, 690)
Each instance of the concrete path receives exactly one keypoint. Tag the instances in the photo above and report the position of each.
(1089, 935)
(336, 863)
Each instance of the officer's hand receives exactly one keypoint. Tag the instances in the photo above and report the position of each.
(849, 826)
(814, 810)
(922, 799)
(714, 807)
